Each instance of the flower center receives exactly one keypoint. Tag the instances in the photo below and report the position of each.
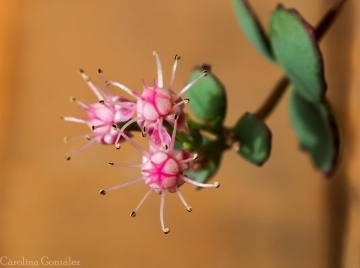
(154, 103)
(161, 171)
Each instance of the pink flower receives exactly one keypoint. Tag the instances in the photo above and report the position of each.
(162, 169)
(103, 117)
(157, 103)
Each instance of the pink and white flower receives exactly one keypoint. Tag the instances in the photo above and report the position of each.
(162, 169)
(157, 103)
(103, 117)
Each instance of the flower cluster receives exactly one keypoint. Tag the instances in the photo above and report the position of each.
(103, 116)
(162, 166)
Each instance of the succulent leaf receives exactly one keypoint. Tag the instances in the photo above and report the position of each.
(254, 137)
(296, 50)
(316, 130)
(207, 99)
(252, 28)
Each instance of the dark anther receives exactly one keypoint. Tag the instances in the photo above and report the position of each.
(102, 192)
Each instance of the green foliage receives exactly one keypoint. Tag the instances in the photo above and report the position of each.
(252, 28)
(207, 99)
(316, 131)
(254, 137)
(296, 50)
(294, 47)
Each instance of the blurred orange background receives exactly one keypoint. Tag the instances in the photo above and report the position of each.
(284, 214)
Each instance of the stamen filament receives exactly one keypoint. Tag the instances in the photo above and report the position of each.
(80, 103)
(105, 84)
(141, 150)
(186, 160)
(121, 131)
(67, 139)
(73, 119)
(188, 208)
(127, 90)
(186, 101)
(176, 58)
(94, 88)
(133, 214)
(173, 136)
(80, 149)
(126, 165)
(162, 202)
(190, 85)
(159, 70)
(121, 105)
(125, 184)
(100, 126)
(215, 184)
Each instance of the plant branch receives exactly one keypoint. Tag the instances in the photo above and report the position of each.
(270, 103)
(326, 21)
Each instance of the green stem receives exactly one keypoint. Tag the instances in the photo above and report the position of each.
(270, 103)
(326, 21)
(195, 124)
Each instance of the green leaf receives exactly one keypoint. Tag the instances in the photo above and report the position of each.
(316, 130)
(296, 50)
(207, 98)
(252, 28)
(254, 138)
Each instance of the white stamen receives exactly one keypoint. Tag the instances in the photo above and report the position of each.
(173, 136)
(176, 58)
(67, 139)
(81, 148)
(188, 208)
(126, 184)
(73, 119)
(190, 85)
(141, 150)
(100, 126)
(121, 131)
(133, 214)
(94, 88)
(126, 165)
(159, 70)
(105, 84)
(186, 160)
(186, 101)
(216, 184)
(162, 202)
(123, 105)
(128, 90)
(80, 103)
